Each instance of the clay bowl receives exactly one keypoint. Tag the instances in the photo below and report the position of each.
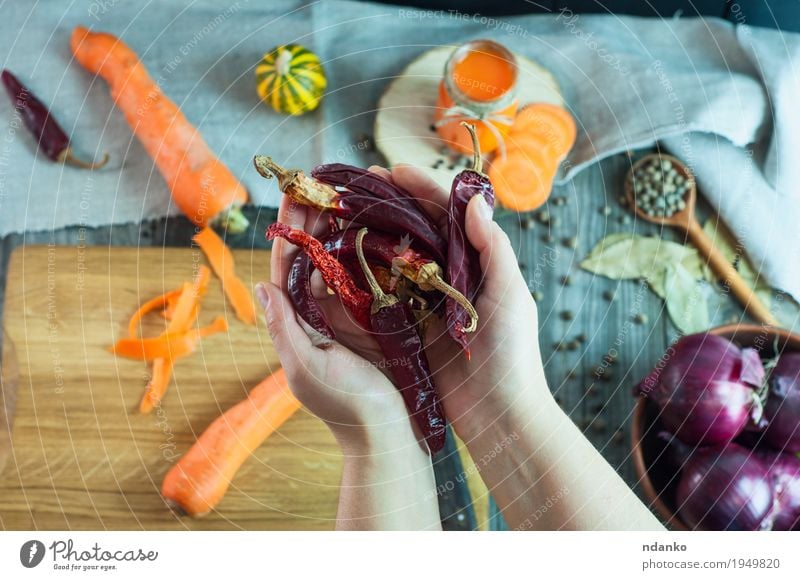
(655, 469)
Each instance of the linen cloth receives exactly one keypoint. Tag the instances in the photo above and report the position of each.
(720, 96)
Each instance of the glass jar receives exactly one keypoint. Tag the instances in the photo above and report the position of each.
(479, 85)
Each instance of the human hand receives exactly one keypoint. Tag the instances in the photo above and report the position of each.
(347, 391)
(505, 376)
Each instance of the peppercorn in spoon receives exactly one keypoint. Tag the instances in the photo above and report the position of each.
(662, 190)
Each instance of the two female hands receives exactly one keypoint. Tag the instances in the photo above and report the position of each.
(497, 400)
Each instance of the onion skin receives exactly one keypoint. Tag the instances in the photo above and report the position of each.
(782, 409)
(784, 471)
(705, 389)
(726, 488)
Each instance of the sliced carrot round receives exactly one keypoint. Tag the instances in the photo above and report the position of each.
(519, 184)
(551, 122)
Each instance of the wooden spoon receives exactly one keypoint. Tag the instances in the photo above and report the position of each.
(686, 221)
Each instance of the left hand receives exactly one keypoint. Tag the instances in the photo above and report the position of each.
(347, 391)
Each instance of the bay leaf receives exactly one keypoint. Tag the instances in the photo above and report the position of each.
(637, 257)
(686, 302)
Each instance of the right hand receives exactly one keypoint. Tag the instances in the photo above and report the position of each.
(505, 377)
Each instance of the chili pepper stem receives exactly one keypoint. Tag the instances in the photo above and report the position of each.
(429, 274)
(67, 157)
(297, 184)
(477, 161)
(381, 299)
(429, 277)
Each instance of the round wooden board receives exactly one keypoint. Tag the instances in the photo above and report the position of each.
(405, 112)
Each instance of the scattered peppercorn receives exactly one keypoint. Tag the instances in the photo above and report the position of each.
(527, 224)
(640, 318)
(605, 210)
(609, 295)
(565, 280)
(544, 217)
(567, 315)
(571, 243)
(548, 239)
(537, 296)
(573, 345)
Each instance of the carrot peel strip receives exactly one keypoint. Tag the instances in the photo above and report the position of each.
(221, 259)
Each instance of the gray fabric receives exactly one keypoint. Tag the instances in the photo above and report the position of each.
(705, 87)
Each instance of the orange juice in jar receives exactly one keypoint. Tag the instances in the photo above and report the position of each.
(479, 86)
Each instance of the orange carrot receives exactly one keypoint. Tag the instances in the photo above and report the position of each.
(184, 313)
(519, 184)
(168, 345)
(202, 187)
(221, 260)
(540, 138)
(197, 483)
(551, 121)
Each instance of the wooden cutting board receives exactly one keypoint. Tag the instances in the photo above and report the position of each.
(83, 457)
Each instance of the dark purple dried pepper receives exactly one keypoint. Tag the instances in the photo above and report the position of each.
(385, 215)
(50, 137)
(365, 182)
(464, 265)
(395, 330)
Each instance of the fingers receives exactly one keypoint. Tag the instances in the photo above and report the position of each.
(431, 197)
(291, 341)
(283, 253)
(498, 260)
(382, 171)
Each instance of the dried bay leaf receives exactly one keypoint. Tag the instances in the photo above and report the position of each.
(686, 302)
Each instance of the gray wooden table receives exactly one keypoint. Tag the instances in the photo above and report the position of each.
(593, 325)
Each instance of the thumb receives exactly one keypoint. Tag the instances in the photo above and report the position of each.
(498, 260)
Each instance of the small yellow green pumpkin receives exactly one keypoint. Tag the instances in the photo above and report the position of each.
(291, 79)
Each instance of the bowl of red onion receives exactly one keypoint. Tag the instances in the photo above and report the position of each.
(716, 431)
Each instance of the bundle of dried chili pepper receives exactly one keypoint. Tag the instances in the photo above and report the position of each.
(463, 264)
(404, 261)
(50, 137)
(390, 321)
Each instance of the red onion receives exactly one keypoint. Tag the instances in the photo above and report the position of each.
(784, 471)
(726, 488)
(705, 387)
(782, 409)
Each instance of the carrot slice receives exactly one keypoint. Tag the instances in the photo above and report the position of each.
(519, 184)
(168, 345)
(550, 121)
(197, 483)
(221, 260)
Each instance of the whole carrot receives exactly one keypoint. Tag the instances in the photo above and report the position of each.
(198, 482)
(202, 187)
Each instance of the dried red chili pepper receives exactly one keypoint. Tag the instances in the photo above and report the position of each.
(388, 216)
(365, 182)
(50, 137)
(394, 328)
(464, 265)
(335, 275)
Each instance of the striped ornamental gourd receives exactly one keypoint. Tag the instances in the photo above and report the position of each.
(291, 79)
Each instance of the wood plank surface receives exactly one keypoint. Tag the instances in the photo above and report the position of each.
(84, 457)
